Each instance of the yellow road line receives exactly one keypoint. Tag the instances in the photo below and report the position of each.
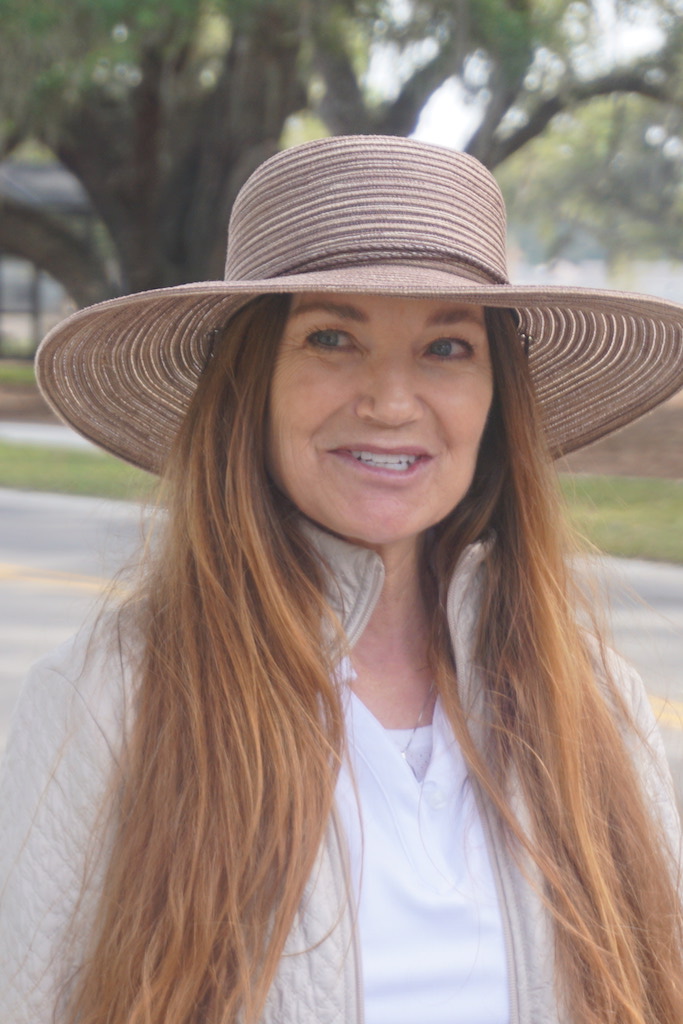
(52, 578)
(669, 713)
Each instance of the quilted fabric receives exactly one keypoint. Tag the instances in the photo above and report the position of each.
(67, 735)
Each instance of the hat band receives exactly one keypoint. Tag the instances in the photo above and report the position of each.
(458, 268)
(469, 268)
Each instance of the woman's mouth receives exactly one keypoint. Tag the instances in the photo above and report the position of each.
(397, 462)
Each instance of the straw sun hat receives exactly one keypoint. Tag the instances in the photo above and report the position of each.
(371, 215)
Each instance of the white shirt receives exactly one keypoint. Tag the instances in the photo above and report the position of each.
(429, 925)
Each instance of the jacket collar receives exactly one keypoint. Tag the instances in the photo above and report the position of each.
(355, 576)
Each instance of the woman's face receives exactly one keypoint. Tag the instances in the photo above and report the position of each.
(377, 408)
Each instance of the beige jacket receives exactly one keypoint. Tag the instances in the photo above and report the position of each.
(67, 736)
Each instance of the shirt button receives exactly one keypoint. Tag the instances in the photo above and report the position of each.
(434, 796)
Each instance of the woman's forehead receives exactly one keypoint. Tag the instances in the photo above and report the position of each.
(362, 308)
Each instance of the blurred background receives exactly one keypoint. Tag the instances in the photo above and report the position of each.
(127, 128)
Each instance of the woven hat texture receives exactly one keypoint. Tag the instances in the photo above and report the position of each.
(370, 215)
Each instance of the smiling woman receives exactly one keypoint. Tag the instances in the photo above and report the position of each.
(353, 750)
(376, 414)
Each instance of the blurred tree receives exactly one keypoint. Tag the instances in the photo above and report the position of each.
(161, 108)
(605, 181)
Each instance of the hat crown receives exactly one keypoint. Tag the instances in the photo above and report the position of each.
(345, 201)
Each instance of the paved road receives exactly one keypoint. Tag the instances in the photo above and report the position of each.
(56, 552)
(50, 435)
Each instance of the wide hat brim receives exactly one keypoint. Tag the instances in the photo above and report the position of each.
(122, 373)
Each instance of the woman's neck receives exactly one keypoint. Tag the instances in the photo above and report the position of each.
(391, 657)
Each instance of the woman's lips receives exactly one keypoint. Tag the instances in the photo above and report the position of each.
(393, 461)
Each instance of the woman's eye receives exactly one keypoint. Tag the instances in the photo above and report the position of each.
(447, 348)
(326, 339)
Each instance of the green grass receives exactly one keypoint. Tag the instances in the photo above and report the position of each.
(33, 468)
(632, 517)
(16, 373)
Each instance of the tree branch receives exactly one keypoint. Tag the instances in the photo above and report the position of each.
(49, 244)
(401, 116)
(618, 80)
(502, 98)
(342, 108)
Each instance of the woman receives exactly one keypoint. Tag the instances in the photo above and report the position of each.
(346, 753)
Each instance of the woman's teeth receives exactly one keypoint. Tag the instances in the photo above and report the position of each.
(396, 462)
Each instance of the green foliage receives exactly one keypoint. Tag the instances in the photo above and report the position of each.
(303, 127)
(628, 517)
(504, 29)
(161, 115)
(606, 180)
(51, 52)
(61, 470)
(14, 374)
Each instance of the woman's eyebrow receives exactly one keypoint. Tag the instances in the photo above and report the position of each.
(340, 309)
(454, 316)
(346, 311)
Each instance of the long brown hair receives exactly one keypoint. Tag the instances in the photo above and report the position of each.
(229, 778)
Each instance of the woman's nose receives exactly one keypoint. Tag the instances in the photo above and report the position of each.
(388, 395)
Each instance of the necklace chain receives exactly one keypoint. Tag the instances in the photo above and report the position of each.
(426, 704)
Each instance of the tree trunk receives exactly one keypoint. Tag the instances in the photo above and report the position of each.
(163, 169)
(50, 244)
